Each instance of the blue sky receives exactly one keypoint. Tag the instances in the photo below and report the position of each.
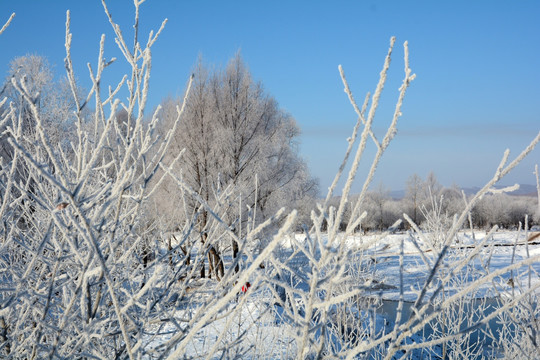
(477, 90)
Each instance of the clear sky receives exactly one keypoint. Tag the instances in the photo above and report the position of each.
(477, 90)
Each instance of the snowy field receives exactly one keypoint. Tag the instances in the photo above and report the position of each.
(498, 252)
(260, 327)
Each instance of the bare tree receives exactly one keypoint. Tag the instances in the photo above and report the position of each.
(376, 206)
(52, 100)
(235, 136)
(414, 194)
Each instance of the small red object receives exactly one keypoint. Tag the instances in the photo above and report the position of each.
(245, 287)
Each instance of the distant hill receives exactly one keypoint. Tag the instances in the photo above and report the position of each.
(524, 190)
(397, 194)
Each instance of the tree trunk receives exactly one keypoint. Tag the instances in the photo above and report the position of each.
(203, 273)
(216, 264)
(235, 250)
(169, 250)
(186, 253)
(204, 236)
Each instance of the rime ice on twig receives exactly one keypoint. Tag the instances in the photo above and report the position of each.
(5, 26)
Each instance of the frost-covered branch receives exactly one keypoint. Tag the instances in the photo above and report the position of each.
(5, 26)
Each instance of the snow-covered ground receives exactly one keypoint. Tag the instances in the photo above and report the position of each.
(260, 328)
(500, 250)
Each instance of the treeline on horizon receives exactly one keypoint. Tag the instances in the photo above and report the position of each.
(427, 198)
